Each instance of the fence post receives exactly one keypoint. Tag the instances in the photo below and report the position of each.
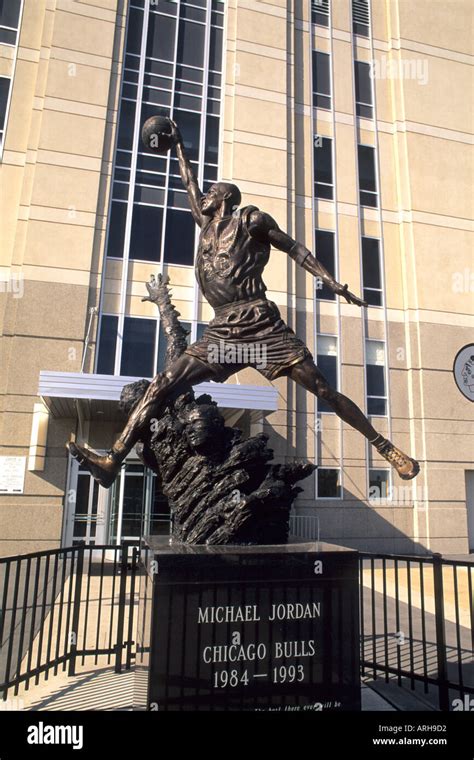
(76, 608)
(440, 633)
(121, 609)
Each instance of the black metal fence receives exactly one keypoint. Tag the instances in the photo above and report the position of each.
(62, 606)
(417, 626)
(77, 605)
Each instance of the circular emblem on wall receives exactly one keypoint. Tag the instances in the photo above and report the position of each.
(463, 371)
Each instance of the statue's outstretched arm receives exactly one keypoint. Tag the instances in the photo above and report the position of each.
(264, 226)
(188, 177)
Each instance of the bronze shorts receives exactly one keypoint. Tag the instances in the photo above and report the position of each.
(248, 334)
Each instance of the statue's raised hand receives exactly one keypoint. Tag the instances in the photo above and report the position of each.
(176, 135)
(155, 288)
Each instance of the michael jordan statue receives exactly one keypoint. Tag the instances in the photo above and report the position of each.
(234, 247)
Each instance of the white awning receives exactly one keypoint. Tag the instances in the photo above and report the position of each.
(99, 394)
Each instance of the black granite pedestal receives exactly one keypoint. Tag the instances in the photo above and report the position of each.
(248, 628)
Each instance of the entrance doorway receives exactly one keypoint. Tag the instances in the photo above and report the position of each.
(132, 508)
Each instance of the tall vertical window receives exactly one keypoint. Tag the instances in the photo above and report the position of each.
(321, 80)
(10, 16)
(363, 87)
(181, 65)
(327, 363)
(138, 348)
(107, 344)
(320, 12)
(361, 17)
(10, 11)
(172, 67)
(325, 253)
(323, 176)
(367, 181)
(371, 270)
(375, 377)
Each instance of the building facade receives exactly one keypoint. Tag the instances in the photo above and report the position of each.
(349, 122)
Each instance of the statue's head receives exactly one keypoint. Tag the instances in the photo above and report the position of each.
(221, 194)
(204, 428)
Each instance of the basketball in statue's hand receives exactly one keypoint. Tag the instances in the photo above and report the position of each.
(156, 134)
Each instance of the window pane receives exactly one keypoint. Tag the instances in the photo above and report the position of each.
(325, 254)
(4, 88)
(8, 36)
(190, 44)
(145, 241)
(107, 345)
(366, 167)
(320, 12)
(201, 326)
(327, 363)
(215, 51)
(366, 112)
(127, 119)
(10, 13)
(371, 263)
(375, 352)
(375, 380)
(321, 80)
(179, 240)
(190, 127)
(212, 140)
(161, 33)
(329, 486)
(118, 216)
(134, 31)
(361, 29)
(376, 406)
(323, 191)
(323, 161)
(322, 101)
(82, 494)
(368, 199)
(138, 347)
(379, 481)
(363, 82)
(133, 500)
(373, 297)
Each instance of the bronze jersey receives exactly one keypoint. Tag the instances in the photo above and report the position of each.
(229, 261)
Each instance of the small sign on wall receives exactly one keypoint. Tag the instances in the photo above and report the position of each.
(463, 370)
(12, 474)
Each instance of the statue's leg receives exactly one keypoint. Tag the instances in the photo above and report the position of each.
(185, 372)
(307, 375)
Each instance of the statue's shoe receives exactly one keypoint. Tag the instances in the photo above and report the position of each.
(406, 467)
(104, 469)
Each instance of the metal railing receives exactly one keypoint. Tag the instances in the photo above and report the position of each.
(417, 626)
(62, 606)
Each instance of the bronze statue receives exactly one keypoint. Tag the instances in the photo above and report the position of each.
(234, 247)
(221, 488)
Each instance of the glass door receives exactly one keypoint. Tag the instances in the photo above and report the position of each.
(137, 506)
